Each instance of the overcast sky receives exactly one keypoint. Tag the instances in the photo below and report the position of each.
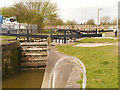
(81, 10)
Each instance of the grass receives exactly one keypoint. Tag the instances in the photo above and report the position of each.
(101, 63)
(4, 40)
(97, 40)
(8, 37)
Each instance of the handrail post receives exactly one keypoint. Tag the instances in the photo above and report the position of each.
(64, 36)
(27, 36)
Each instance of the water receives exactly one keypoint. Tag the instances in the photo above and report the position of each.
(24, 79)
(61, 41)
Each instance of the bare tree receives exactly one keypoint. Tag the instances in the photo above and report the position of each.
(90, 22)
(114, 22)
(105, 20)
(59, 22)
(69, 22)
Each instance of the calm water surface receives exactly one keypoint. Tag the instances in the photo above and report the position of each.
(24, 79)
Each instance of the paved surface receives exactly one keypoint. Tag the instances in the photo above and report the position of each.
(66, 76)
(106, 37)
(94, 44)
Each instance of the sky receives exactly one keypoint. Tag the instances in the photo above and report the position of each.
(81, 10)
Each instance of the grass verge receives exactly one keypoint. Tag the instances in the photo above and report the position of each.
(8, 37)
(101, 64)
(97, 40)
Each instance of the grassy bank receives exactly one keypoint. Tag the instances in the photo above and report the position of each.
(97, 40)
(101, 64)
(8, 37)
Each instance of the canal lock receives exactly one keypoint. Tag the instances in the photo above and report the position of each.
(30, 62)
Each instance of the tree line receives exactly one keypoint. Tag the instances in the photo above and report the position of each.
(40, 12)
(105, 20)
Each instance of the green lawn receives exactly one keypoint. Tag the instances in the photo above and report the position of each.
(8, 37)
(4, 40)
(97, 40)
(101, 63)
